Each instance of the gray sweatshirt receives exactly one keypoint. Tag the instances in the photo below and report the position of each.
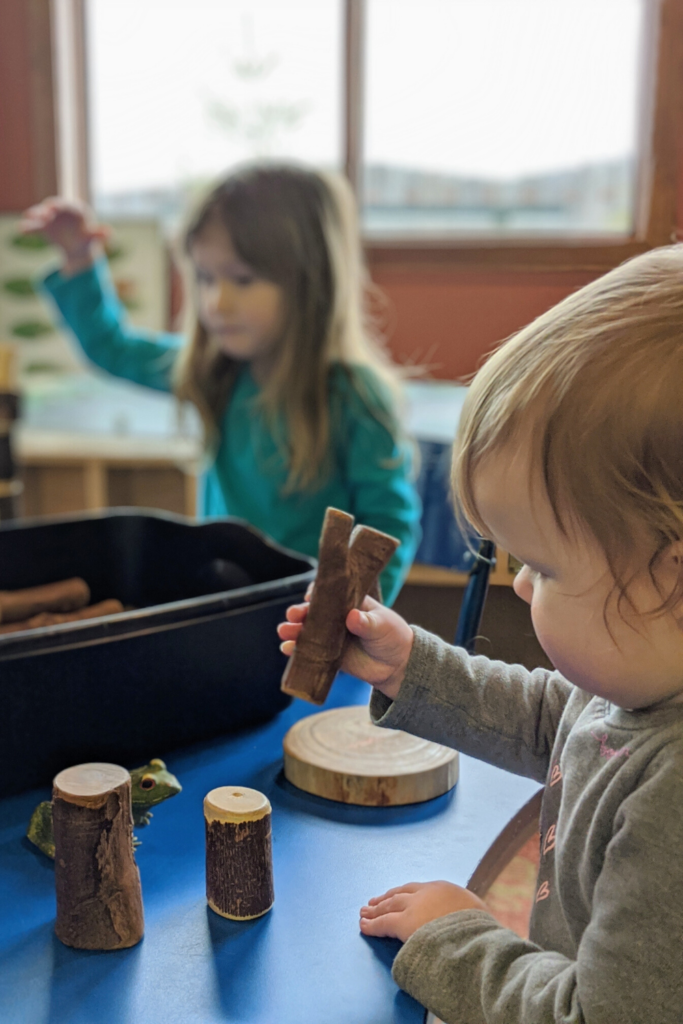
(606, 935)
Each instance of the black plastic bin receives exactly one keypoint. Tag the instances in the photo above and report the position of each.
(184, 664)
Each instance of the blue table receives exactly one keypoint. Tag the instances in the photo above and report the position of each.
(303, 963)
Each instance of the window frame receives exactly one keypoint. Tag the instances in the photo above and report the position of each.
(659, 138)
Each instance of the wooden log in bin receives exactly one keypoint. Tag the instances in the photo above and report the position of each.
(350, 561)
(99, 899)
(63, 596)
(94, 611)
(239, 859)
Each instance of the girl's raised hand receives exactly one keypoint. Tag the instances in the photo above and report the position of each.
(69, 225)
(383, 646)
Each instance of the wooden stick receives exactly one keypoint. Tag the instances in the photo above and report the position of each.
(99, 901)
(93, 611)
(348, 569)
(64, 596)
(239, 860)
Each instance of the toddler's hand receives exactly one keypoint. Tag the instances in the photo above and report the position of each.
(69, 225)
(401, 911)
(380, 654)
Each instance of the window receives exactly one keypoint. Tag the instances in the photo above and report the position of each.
(179, 90)
(500, 117)
(495, 133)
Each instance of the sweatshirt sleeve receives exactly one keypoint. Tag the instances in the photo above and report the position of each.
(628, 967)
(90, 308)
(499, 713)
(379, 474)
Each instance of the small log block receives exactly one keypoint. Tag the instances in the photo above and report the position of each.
(93, 611)
(349, 565)
(239, 858)
(99, 900)
(63, 596)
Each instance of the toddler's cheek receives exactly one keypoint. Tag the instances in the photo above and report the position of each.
(548, 635)
(571, 659)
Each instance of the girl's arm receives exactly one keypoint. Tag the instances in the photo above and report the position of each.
(87, 300)
(90, 307)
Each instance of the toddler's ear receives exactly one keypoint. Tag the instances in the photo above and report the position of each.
(673, 555)
(669, 572)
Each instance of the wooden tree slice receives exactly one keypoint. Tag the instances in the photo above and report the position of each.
(99, 901)
(239, 859)
(341, 755)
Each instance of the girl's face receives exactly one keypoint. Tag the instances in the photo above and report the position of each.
(243, 314)
(637, 661)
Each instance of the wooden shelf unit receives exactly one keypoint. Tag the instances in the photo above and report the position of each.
(435, 576)
(64, 473)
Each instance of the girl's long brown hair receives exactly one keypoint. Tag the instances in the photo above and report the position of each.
(297, 228)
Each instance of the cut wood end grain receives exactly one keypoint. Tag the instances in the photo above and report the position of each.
(235, 804)
(341, 755)
(89, 784)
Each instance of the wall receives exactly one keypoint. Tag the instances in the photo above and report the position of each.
(447, 320)
(27, 130)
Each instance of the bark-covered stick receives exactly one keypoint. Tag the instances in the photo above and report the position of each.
(348, 567)
(369, 552)
(320, 644)
(93, 611)
(239, 858)
(63, 596)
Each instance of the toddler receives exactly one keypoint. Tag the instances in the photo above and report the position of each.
(569, 456)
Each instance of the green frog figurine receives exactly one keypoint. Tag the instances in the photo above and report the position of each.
(150, 785)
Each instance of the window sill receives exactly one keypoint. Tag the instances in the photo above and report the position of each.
(498, 254)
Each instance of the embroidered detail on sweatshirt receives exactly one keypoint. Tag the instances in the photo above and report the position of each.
(609, 752)
(555, 775)
(542, 892)
(549, 841)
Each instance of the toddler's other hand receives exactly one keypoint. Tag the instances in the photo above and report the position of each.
(69, 225)
(381, 652)
(401, 911)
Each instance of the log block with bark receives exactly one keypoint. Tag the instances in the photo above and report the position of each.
(239, 860)
(350, 561)
(99, 900)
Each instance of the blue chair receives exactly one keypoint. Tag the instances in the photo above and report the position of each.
(473, 600)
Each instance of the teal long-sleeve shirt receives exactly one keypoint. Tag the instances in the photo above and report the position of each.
(371, 474)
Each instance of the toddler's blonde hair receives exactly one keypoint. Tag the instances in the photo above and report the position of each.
(597, 384)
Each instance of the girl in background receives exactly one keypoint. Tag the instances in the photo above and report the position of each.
(297, 398)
